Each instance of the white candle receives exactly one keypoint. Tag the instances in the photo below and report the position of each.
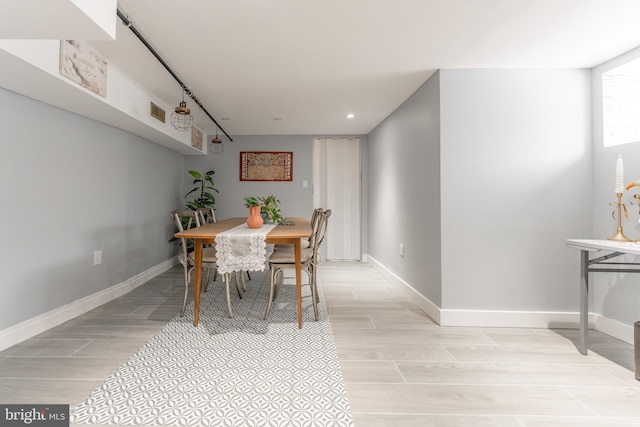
(619, 175)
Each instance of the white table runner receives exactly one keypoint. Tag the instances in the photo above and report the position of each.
(242, 248)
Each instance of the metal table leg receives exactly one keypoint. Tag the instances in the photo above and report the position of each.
(584, 301)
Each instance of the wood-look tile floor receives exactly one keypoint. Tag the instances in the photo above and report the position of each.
(400, 368)
(403, 370)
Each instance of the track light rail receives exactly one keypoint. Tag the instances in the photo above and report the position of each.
(184, 87)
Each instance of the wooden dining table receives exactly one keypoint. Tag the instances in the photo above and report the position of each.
(291, 233)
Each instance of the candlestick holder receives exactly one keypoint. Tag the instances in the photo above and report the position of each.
(619, 236)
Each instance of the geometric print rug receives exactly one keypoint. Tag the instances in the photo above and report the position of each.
(227, 372)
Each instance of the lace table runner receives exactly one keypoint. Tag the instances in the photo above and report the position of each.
(242, 248)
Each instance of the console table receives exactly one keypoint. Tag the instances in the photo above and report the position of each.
(599, 264)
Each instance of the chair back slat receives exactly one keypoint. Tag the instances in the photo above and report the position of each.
(192, 221)
(184, 213)
(314, 223)
(320, 233)
(206, 216)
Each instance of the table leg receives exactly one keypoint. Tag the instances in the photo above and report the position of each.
(584, 302)
(197, 279)
(298, 255)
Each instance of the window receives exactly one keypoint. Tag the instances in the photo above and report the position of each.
(621, 104)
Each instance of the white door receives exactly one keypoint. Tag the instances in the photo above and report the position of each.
(336, 180)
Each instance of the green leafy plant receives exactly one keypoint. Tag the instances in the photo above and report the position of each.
(269, 206)
(251, 201)
(202, 196)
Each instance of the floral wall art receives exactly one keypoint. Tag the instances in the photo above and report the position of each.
(266, 166)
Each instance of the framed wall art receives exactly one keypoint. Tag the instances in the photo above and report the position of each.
(84, 65)
(196, 138)
(266, 166)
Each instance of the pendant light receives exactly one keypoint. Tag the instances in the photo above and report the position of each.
(181, 118)
(216, 146)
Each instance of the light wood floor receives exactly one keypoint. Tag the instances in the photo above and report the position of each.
(400, 368)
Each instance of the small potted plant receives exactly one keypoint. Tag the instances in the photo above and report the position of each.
(270, 209)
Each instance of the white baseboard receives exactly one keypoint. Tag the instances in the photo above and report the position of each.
(619, 330)
(502, 319)
(36, 325)
(512, 319)
(432, 310)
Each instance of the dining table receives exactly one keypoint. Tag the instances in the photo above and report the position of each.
(291, 232)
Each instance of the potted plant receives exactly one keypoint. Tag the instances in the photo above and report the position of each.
(203, 188)
(269, 207)
(203, 197)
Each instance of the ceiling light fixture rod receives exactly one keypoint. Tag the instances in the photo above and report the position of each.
(184, 87)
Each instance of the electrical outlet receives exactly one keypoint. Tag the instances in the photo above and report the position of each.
(97, 257)
(401, 249)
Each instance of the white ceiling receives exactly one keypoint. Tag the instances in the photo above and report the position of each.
(299, 66)
(64, 19)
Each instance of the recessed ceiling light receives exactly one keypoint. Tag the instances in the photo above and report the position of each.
(350, 116)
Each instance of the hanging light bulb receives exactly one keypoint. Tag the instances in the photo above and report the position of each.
(181, 118)
(216, 145)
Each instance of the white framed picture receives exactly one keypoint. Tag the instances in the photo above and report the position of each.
(196, 138)
(84, 65)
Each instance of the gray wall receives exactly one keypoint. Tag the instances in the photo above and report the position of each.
(294, 200)
(516, 183)
(404, 191)
(71, 186)
(491, 171)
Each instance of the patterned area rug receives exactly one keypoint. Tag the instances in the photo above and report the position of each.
(243, 371)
